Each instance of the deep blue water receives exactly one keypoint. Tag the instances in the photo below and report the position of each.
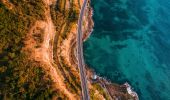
(131, 42)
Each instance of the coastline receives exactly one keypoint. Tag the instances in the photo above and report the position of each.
(67, 54)
(51, 56)
(101, 80)
(90, 24)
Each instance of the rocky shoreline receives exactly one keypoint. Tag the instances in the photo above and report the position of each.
(67, 52)
(101, 80)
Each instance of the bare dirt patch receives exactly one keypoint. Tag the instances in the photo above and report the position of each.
(39, 43)
(8, 4)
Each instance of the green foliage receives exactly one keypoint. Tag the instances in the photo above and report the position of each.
(73, 16)
(101, 90)
(14, 24)
(29, 8)
(61, 16)
(63, 20)
(20, 78)
(92, 94)
(24, 79)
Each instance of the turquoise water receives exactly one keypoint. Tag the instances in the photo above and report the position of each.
(131, 43)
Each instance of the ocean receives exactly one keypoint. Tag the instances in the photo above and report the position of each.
(131, 43)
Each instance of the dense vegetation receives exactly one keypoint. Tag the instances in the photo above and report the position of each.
(62, 16)
(64, 19)
(23, 79)
(20, 78)
(100, 89)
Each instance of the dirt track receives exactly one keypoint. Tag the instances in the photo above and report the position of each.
(44, 53)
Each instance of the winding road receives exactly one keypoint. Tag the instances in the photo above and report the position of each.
(81, 64)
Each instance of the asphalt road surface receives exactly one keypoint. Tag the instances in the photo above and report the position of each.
(81, 64)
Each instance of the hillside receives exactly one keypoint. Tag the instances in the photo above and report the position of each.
(37, 52)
